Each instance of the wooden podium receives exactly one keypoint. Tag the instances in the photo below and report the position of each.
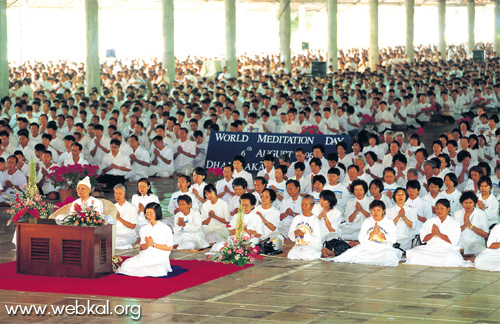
(48, 249)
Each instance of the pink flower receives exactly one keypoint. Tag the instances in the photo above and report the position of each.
(88, 208)
(251, 259)
(229, 252)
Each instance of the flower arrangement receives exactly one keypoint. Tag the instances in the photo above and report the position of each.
(29, 203)
(237, 248)
(481, 102)
(429, 111)
(67, 177)
(420, 131)
(367, 120)
(313, 130)
(214, 175)
(84, 216)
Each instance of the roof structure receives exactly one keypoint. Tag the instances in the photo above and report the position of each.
(195, 4)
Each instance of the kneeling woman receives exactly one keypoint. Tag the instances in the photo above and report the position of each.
(489, 259)
(156, 244)
(442, 234)
(376, 237)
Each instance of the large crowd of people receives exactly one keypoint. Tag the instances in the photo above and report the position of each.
(388, 191)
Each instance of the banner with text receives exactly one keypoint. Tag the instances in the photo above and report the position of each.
(254, 146)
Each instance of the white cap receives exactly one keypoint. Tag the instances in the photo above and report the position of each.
(86, 182)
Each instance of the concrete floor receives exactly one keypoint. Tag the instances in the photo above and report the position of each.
(278, 290)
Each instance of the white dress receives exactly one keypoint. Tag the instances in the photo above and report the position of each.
(144, 200)
(272, 215)
(190, 236)
(405, 233)
(437, 252)
(376, 251)
(294, 205)
(350, 230)
(215, 230)
(454, 199)
(469, 240)
(307, 247)
(334, 217)
(489, 259)
(491, 211)
(125, 236)
(151, 262)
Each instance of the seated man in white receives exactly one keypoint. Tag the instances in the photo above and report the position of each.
(11, 180)
(76, 155)
(188, 231)
(126, 218)
(44, 170)
(139, 160)
(305, 231)
(83, 190)
(114, 166)
(156, 245)
(162, 160)
(442, 234)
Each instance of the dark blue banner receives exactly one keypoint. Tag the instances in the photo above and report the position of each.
(254, 146)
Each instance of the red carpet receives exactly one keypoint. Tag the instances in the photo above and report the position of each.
(193, 273)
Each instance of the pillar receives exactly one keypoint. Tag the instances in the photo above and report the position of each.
(332, 34)
(441, 6)
(4, 63)
(93, 71)
(496, 36)
(285, 32)
(373, 52)
(471, 12)
(168, 39)
(410, 25)
(231, 62)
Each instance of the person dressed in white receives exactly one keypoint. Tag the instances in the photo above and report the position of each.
(330, 218)
(184, 153)
(139, 160)
(188, 231)
(143, 197)
(214, 215)
(487, 202)
(126, 218)
(305, 231)
(11, 180)
(489, 259)
(43, 175)
(225, 185)
(270, 216)
(156, 245)
(290, 207)
(376, 237)
(83, 190)
(404, 217)
(162, 160)
(442, 234)
(473, 224)
(356, 210)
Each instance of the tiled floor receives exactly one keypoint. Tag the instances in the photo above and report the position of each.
(278, 290)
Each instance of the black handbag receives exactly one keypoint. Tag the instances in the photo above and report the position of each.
(337, 246)
(267, 247)
(416, 241)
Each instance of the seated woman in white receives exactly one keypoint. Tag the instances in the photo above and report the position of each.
(156, 244)
(376, 237)
(376, 189)
(404, 217)
(143, 197)
(487, 202)
(356, 210)
(270, 216)
(126, 219)
(489, 259)
(83, 190)
(330, 218)
(473, 224)
(188, 233)
(305, 231)
(441, 233)
(451, 193)
(214, 215)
